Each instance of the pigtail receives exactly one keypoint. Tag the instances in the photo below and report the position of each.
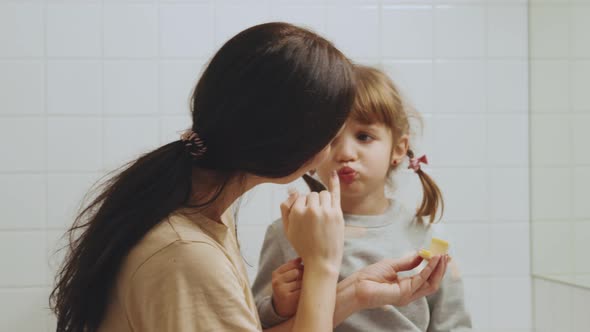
(432, 196)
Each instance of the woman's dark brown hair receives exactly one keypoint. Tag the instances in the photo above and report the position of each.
(270, 99)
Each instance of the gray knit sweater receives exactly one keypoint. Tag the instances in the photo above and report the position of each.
(368, 239)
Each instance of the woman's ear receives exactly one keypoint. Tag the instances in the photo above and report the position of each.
(400, 150)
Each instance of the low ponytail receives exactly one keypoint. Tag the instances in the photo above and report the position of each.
(129, 204)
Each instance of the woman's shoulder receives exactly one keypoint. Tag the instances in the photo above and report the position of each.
(173, 237)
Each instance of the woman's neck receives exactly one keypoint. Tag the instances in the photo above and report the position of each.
(208, 184)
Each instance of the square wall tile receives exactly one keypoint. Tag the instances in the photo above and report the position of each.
(122, 147)
(459, 31)
(255, 206)
(508, 140)
(186, 30)
(29, 267)
(130, 30)
(511, 306)
(414, 79)
(130, 87)
(74, 29)
(21, 29)
(581, 301)
(509, 194)
(177, 82)
(551, 144)
(308, 14)
(581, 231)
(470, 243)
(22, 87)
(549, 86)
(74, 144)
(65, 195)
(233, 17)
(581, 183)
(552, 248)
(171, 127)
(29, 153)
(74, 87)
(580, 73)
(465, 191)
(507, 29)
(580, 139)
(579, 29)
(24, 309)
(23, 201)
(550, 24)
(459, 86)
(478, 300)
(551, 193)
(508, 86)
(358, 40)
(459, 140)
(55, 253)
(407, 31)
(460, 2)
(510, 251)
(553, 306)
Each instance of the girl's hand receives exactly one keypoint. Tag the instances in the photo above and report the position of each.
(315, 227)
(379, 284)
(286, 287)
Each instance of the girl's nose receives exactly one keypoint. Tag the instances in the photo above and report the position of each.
(345, 150)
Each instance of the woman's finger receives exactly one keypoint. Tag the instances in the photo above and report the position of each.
(406, 263)
(419, 279)
(433, 283)
(325, 198)
(286, 208)
(313, 200)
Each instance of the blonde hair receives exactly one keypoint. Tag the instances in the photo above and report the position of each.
(378, 100)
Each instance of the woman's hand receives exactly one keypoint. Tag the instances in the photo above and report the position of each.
(315, 227)
(379, 284)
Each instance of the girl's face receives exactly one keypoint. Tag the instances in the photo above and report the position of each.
(362, 155)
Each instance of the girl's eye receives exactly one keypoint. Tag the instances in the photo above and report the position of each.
(364, 137)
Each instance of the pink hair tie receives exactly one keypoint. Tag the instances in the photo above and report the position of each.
(415, 163)
(194, 143)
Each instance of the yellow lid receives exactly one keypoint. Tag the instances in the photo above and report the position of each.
(440, 241)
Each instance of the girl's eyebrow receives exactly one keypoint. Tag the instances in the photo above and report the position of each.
(368, 126)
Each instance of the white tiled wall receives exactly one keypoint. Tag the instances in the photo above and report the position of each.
(560, 160)
(87, 85)
(560, 307)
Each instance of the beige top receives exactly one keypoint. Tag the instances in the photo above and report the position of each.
(184, 275)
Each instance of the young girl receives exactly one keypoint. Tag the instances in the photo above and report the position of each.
(157, 249)
(373, 143)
